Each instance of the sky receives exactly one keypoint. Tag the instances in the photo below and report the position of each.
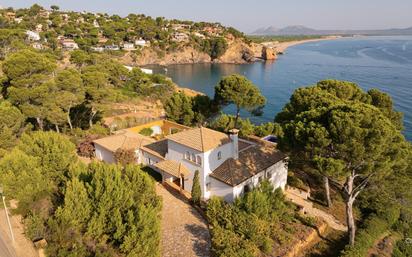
(249, 15)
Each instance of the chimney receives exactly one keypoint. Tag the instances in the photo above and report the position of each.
(235, 142)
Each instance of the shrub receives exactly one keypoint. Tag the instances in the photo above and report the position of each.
(146, 132)
(250, 226)
(86, 147)
(34, 227)
(403, 248)
(125, 156)
(296, 182)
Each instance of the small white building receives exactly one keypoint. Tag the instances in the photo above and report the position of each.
(32, 36)
(39, 27)
(98, 49)
(147, 71)
(128, 47)
(69, 44)
(96, 24)
(180, 37)
(112, 47)
(37, 45)
(141, 42)
(228, 166)
(199, 35)
(18, 20)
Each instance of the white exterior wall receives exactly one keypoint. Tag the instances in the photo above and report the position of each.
(278, 174)
(176, 152)
(149, 159)
(211, 163)
(252, 182)
(103, 154)
(220, 189)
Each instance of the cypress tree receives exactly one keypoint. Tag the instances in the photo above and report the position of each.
(196, 191)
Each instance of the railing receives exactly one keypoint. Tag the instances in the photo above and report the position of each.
(175, 188)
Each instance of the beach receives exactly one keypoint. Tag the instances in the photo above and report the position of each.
(282, 46)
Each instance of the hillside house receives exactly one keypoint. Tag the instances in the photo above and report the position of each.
(96, 24)
(69, 44)
(37, 45)
(112, 47)
(39, 27)
(181, 27)
(141, 42)
(199, 35)
(98, 49)
(180, 37)
(44, 13)
(213, 31)
(10, 16)
(228, 165)
(32, 36)
(128, 47)
(18, 20)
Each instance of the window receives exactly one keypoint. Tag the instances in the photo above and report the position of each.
(260, 179)
(246, 188)
(199, 160)
(219, 155)
(187, 156)
(193, 157)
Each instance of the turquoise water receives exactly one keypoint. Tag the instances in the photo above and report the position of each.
(372, 62)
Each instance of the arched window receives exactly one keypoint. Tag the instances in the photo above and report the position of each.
(199, 160)
(187, 156)
(193, 157)
(219, 155)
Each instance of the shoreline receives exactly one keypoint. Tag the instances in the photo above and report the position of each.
(283, 46)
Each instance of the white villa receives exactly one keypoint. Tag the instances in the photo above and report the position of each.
(33, 36)
(129, 46)
(228, 165)
(69, 44)
(141, 42)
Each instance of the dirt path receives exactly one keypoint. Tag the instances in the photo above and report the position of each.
(184, 231)
(311, 211)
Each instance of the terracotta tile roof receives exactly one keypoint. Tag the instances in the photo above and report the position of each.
(173, 168)
(125, 140)
(158, 148)
(252, 161)
(201, 139)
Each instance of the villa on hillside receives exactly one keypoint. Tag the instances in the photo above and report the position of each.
(228, 165)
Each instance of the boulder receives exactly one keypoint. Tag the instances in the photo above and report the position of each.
(268, 53)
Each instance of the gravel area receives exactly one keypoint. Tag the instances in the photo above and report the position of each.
(184, 231)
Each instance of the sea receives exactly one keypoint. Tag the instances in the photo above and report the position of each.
(384, 63)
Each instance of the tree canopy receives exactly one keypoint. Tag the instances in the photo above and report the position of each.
(335, 125)
(238, 90)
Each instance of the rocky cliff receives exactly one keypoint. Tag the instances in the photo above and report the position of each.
(238, 52)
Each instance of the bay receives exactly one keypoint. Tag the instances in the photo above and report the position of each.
(384, 63)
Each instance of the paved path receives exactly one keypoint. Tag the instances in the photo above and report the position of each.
(5, 247)
(184, 231)
(23, 247)
(311, 211)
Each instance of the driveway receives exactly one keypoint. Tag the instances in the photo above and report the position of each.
(184, 231)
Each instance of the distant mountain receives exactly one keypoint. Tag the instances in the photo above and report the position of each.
(302, 30)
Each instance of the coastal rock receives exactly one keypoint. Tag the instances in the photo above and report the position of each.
(238, 52)
(268, 53)
(184, 55)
